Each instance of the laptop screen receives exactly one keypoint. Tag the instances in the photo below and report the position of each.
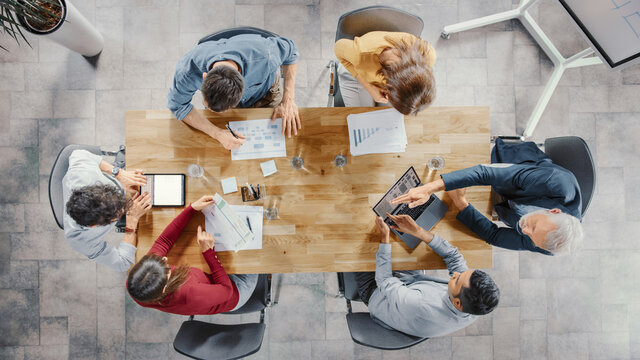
(407, 181)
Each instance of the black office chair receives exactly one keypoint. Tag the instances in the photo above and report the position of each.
(228, 33)
(364, 330)
(203, 340)
(573, 154)
(361, 21)
(59, 169)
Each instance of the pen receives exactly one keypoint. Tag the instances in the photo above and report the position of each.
(249, 223)
(232, 133)
(250, 190)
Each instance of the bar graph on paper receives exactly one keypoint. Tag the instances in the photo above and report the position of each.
(360, 135)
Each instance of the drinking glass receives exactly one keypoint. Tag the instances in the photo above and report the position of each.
(340, 161)
(195, 170)
(297, 162)
(436, 163)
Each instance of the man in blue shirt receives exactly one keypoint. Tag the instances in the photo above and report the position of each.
(242, 71)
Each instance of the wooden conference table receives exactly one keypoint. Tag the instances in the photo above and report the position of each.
(325, 222)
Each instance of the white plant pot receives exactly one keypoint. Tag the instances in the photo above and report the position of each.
(74, 31)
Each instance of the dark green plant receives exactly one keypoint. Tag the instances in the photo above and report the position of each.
(32, 11)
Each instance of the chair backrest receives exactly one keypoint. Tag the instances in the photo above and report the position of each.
(365, 331)
(58, 171)
(259, 299)
(203, 340)
(573, 154)
(228, 33)
(377, 18)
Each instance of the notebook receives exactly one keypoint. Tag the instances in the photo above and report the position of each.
(165, 189)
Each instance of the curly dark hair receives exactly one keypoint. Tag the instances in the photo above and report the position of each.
(482, 296)
(97, 204)
(222, 88)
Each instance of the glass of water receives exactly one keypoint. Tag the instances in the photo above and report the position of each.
(436, 163)
(340, 161)
(297, 162)
(271, 213)
(195, 170)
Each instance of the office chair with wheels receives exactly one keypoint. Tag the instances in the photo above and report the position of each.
(58, 171)
(361, 21)
(364, 330)
(573, 154)
(203, 340)
(227, 33)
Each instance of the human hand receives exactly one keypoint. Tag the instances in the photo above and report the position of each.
(228, 141)
(406, 224)
(414, 197)
(202, 203)
(458, 198)
(131, 180)
(141, 203)
(288, 111)
(205, 240)
(384, 230)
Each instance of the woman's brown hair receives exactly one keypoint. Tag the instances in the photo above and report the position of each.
(147, 279)
(409, 82)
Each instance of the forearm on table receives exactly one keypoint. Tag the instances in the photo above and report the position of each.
(198, 121)
(165, 241)
(289, 72)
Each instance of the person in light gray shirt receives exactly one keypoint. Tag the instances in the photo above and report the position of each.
(94, 201)
(420, 305)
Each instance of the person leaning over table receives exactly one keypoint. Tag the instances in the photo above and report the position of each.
(387, 67)
(184, 290)
(542, 203)
(94, 193)
(420, 305)
(242, 71)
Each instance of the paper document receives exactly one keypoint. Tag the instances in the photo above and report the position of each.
(165, 189)
(377, 132)
(268, 168)
(231, 227)
(215, 225)
(229, 185)
(264, 139)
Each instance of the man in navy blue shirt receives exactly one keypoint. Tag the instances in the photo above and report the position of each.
(242, 71)
(542, 204)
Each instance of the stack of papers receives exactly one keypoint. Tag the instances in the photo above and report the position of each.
(377, 132)
(232, 228)
(216, 226)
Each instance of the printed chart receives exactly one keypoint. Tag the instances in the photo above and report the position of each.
(264, 139)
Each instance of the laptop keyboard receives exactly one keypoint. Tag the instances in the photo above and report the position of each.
(413, 212)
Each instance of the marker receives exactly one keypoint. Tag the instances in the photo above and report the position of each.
(249, 224)
(232, 133)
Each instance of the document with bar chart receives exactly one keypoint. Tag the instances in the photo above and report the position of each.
(264, 139)
(377, 132)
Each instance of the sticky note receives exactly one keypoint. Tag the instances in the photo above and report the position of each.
(229, 185)
(268, 168)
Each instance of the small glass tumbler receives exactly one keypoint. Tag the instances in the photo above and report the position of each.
(195, 170)
(340, 161)
(271, 213)
(297, 162)
(436, 163)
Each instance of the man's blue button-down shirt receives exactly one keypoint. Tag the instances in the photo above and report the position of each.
(258, 58)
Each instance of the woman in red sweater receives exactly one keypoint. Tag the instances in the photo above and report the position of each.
(185, 290)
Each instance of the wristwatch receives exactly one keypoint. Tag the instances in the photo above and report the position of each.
(115, 171)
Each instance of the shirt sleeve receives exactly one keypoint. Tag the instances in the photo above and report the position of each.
(289, 53)
(186, 81)
(345, 52)
(165, 241)
(452, 258)
(83, 158)
(507, 238)
(90, 244)
(218, 274)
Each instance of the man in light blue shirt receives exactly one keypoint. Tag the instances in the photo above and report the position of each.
(94, 201)
(420, 305)
(242, 71)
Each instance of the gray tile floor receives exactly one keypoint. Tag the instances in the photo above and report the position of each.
(55, 304)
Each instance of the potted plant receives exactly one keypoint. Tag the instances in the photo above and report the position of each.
(57, 20)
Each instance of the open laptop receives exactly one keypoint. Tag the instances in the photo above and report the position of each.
(425, 215)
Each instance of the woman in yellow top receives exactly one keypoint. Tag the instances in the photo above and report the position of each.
(386, 67)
